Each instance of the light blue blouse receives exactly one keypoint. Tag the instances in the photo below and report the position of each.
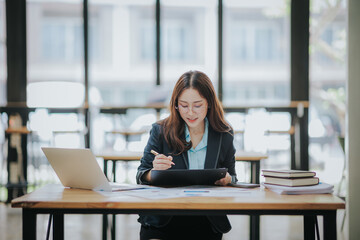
(197, 155)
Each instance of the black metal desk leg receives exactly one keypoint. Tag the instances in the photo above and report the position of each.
(104, 228)
(113, 227)
(58, 228)
(105, 168)
(254, 227)
(114, 170)
(255, 172)
(330, 225)
(105, 220)
(255, 219)
(309, 227)
(29, 224)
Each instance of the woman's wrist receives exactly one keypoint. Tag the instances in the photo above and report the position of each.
(229, 179)
(147, 176)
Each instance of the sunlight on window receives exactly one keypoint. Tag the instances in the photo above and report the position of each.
(256, 52)
(327, 87)
(255, 131)
(55, 94)
(188, 38)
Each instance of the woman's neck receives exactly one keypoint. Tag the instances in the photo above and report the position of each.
(199, 130)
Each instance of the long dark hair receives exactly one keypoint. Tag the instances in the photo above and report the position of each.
(173, 127)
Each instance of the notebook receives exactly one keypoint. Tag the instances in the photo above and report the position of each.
(183, 177)
(78, 168)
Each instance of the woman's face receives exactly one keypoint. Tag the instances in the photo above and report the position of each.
(192, 108)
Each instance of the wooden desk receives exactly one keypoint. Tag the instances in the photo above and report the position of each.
(56, 200)
(252, 157)
(126, 156)
(21, 130)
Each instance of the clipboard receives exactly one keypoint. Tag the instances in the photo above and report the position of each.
(184, 177)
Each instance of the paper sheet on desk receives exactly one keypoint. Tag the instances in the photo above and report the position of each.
(189, 191)
(315, 189)
(119, 188)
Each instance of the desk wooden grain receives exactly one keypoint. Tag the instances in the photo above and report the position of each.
(56, 196)
(56, 200)
(133, 156)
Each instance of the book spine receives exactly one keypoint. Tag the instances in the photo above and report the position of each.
(284, 185)
(291, 177)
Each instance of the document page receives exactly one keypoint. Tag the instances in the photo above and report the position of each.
(189, 191)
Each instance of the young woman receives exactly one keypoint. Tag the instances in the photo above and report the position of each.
(194, 136)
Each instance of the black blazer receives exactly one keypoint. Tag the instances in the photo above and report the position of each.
(220, 153)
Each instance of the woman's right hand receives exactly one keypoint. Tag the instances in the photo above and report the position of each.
(162, 162)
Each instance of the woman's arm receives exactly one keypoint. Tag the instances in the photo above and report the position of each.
(146, 162)
(228, 158)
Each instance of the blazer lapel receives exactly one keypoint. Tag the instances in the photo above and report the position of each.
(186, 159)
(213, 148)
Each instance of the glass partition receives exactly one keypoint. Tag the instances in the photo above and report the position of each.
(55, 53)
(256, 72)
(122, 47)
(328, 44)
(55, 65)
(256, 36)
(188, 39)
(122, 52)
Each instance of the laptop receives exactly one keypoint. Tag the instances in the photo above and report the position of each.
(78, 168)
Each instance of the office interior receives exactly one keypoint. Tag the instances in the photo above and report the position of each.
(96, 74)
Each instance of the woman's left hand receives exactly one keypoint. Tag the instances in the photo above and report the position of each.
(224, 181)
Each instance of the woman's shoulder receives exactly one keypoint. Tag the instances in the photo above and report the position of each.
(157, 127)
(228, 134)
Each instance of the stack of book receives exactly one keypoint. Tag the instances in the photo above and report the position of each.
(290, 178)
(314, 189)
(294, 182)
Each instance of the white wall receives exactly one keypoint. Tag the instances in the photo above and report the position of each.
(353, 117)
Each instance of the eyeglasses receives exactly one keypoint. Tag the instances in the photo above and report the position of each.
(195, 109)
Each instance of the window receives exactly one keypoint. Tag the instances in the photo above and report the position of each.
(188, 39)
(254, 42)
(147, 40)
(122, 49)
(178, 39)
(55, 53)
(327, 87)
(62, 39)
(256, 52)
(122, 52)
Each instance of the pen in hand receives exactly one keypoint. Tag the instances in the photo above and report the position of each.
(169, 158)
(154, 152)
